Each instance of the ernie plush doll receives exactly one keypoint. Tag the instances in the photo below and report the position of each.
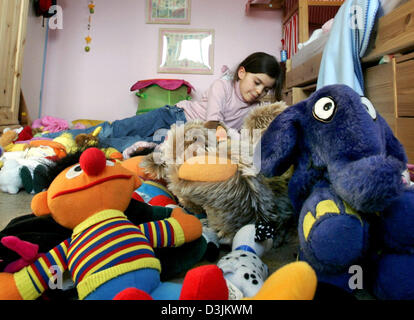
(108, 257)
(106, 252)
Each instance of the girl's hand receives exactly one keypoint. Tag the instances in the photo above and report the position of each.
(211, 124)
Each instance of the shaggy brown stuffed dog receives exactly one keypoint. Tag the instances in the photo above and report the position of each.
(231, 191)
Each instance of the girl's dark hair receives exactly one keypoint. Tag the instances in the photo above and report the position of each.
(261, 62)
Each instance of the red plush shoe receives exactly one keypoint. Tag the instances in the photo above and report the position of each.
(132, 294)
(204, 283)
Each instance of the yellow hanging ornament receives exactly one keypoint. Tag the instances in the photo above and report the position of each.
(91, 7)
(88, 39)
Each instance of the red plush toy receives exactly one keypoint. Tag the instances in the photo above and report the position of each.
(25, 134)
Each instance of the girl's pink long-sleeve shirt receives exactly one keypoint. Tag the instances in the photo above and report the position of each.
(221, 102)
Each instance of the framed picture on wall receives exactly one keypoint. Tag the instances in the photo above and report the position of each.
(186, 51)
(168, 11)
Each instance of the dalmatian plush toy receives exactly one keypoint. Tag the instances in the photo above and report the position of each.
(243, 268)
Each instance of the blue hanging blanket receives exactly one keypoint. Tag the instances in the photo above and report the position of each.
(347, 43)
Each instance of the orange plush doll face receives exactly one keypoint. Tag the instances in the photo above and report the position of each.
(80, 191)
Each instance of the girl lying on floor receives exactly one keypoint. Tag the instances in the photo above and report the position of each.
(226, 101)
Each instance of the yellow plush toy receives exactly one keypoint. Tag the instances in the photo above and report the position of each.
(6, 141)
(83, 141)
(80, 142)
(7, 138)
(66, 139)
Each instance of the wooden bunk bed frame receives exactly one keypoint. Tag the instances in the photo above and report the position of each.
(394, 34)
(389, 86)
(302, 8)
(305, 74)
(299, 8)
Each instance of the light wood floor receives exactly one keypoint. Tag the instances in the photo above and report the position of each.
(13, 205)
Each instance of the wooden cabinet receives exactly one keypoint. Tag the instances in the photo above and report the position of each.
(13, 18)
(404, 72)
(390, 87)
(297, 94)
(380, 89)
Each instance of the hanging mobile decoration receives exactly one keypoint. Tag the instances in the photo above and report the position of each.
(88, 39)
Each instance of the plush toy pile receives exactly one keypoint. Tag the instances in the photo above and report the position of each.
(26, 159)
(150, 201)
(104, 245)
(232, 194)
(212, 172)
(352, 205)
(349, 193)
(108, 257)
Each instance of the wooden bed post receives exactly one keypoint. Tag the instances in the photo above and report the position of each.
(303, 21)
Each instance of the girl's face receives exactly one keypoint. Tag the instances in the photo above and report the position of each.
(254, 86)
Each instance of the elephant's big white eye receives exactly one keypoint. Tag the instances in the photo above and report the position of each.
(74, 172)
(324, 109)
(370, 108)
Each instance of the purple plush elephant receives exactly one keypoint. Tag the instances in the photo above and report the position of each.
(353, 207)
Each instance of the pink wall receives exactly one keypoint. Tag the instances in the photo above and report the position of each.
(33, 62)
(124, 49)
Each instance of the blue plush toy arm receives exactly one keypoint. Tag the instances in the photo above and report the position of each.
(369, 184)
(274, 151)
